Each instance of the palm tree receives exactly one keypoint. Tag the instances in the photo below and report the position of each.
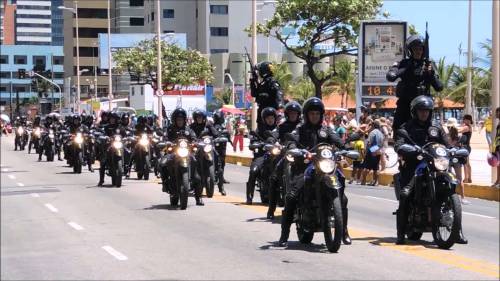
(445, 73)
(345, 80)
(42, 87)
(301, 90)
(283, 75)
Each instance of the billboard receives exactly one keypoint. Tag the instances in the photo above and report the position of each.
(381, 44)
(129, 40)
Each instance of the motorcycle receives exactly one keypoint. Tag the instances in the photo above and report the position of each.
(433, 205)
(21, 138)
(142, 152)
(35, 139)
(318, 205)
(205, 156)
(178, 183)
(219, 173)
(114, 159)
(76, 149)
(48, 145)
(89, 149)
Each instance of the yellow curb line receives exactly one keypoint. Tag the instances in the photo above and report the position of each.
(434, 254)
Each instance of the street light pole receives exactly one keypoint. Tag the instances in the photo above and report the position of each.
(468, 97)
(495, 69)
(232, 87)
(77, 60)
(110, 77)
(254, 58)
(159, 89)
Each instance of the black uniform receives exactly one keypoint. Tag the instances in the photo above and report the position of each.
(267, 93)
(414, 82)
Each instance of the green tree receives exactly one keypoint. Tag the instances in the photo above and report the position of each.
(317, 22)
(179, 66)
(445, 73)
(301, 90)
(283, 75)
(345, 80)
(42, 87)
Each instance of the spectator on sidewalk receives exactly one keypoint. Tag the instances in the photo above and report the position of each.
(466, 131)
(373, 153)
(239, 133)
(357, 165)
(496, 146)
(339, 127)
(386, 130)
(451, 126)
(488, 127)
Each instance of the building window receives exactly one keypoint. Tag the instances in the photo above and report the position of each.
(133, 91)
(136, 3)
(5, 74)
(86, 13)
(219, 9)
(142, 91)
(58, 75)
(86, 51)
(218, 31)
(152, 16)
(58, 60)
(168, 13)
(3, 88)
(86, 32)
(136, 21)
(218, 51)
(4, 59)
(168, 31)
(20, 59)
(39, 60)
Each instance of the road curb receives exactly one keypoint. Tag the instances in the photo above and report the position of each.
(385, 181)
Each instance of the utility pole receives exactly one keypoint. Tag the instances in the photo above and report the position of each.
(159, 88)
(468, 97)
(495, 69)
(254, 58)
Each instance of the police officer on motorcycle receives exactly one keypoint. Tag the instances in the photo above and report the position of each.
(293, 110)
(36, 124)
(178, 125)
(420, 130)
(267, 92)
(200, 125)
(417, 75)
(110, 125)
(308, 135)
(268, 118)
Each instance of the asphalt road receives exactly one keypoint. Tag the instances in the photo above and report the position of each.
(58, 225)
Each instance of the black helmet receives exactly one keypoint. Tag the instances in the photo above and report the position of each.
(199, 113)
(104, 115)
(178, 112)
(313, 104)
(265, 69)
(37, 119)
(125, 119)
(76, 117)
(412, 41)
(292, 106)
(113, 116)
(268, 111)
(141, 120)
(419, 103)
(218, 117)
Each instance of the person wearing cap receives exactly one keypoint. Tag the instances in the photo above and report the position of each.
(455, 141)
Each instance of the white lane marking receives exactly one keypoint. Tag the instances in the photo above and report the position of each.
(12, 177)
(477, 215)
(373, 197)
(52, 208)
(35, 195)
(75, 225)
(114, 253)
(20, 184)
(5, 170)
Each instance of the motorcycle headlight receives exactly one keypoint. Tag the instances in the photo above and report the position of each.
(207, 148)
(144, 141)
(51, 135)
(183, 144)
(117, 144)
(118, 138)
(206, 140)
(290, 158)
(20, 130)
(37, 132)
(441, 163)
(79, 138)
(326, 165)
(182, 152)
(276, 150)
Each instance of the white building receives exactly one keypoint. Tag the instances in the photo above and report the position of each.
(34, 22)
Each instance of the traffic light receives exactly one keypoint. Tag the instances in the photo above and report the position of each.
(21, 73)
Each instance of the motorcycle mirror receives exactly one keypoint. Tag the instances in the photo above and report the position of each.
(462, 153)
(354, 155)
(407, 148)
(295, 152)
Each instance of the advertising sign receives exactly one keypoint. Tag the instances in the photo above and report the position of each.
(381, 44)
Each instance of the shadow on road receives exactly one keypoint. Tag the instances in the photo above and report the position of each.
(276, 220)
(297, 246)
(383, 241)
(162, 207)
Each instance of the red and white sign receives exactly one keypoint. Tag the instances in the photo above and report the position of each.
(191, 90)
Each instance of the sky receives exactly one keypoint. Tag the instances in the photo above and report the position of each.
(447, 24)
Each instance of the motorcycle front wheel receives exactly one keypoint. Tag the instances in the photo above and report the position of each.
(184, 190)
(446, 221)
(333, 241)
(211, 182)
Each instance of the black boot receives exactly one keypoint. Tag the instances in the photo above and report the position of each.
(225, 181)
(346, 239)
(249, 194)
(400, 225)
(101, 177)
(199, 201)
(222, 191)
(461, 238)
(285, 230)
